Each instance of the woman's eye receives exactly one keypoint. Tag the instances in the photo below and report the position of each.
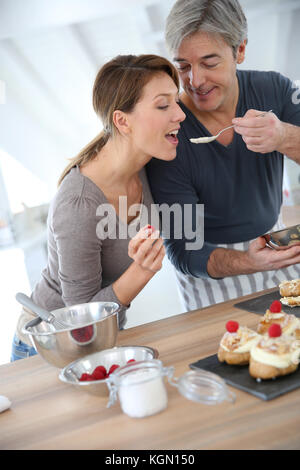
(163, 107)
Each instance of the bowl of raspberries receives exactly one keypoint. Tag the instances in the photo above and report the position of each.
(90, 373)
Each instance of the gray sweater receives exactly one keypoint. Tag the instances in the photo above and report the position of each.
(82, 263)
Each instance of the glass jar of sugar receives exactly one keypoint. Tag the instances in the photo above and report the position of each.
(140, 388)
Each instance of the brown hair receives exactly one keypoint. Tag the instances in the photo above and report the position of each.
(118, 86)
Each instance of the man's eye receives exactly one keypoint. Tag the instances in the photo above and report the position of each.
(210, 66)
(182, 69)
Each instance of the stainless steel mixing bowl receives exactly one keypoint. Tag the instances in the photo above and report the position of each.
(285, 238)
(118, 355)
(98, 330)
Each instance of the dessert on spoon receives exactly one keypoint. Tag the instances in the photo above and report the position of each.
(207, 139)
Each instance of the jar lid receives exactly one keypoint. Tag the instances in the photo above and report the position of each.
(204, 387)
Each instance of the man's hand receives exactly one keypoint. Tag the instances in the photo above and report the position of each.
(259, 257)
(264, 258)
(261, 133)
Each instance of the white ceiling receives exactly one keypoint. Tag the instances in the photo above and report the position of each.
(51, 50)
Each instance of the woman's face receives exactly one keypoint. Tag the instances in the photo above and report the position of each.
(207, 70)
(156, 118)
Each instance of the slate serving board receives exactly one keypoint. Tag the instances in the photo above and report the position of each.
(261, 303)
(239, 377)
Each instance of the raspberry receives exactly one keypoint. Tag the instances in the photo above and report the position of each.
(232, 326)
(112, 368)
(85, 377)
(275, 306)
(102, 369)
(274, 331)
(82, 335)
(131, 360)
(99, 373)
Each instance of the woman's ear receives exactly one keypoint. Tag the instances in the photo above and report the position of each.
(240, 56)
(120, 121)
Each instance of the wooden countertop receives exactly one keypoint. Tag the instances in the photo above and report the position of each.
(48, 414)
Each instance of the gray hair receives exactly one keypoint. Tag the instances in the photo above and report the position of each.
(221, 17)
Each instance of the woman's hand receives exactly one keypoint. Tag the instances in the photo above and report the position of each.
(147, 249)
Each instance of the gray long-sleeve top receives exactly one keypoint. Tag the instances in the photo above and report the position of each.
(82, 263)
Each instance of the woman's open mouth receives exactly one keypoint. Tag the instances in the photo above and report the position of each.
(172, 137)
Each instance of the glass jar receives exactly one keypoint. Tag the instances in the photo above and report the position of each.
(204, 387)
(140, 388)
(142, 392)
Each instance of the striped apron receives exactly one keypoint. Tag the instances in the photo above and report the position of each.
(197, 292)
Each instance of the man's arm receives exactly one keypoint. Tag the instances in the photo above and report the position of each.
(170, 185)
(291, 142)
(259, 257)
(264, 134)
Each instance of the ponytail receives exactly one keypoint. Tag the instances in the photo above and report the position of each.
(88, 153)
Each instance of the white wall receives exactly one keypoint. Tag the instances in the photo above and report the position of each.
(49, 54)
(49, 60)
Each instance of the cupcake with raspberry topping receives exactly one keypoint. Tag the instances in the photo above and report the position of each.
(274, 355)
(290, 324)
(236, 344)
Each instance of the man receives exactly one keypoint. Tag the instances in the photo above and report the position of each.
(238, 177)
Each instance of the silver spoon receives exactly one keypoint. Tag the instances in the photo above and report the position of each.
(206, 140)
(41, 312)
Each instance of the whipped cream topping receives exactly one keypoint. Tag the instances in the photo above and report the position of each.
(288, 322)
(274, 316)
(243, 340)
(278, 352)
(292, 325)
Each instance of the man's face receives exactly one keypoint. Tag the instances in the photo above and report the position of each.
(207, 70)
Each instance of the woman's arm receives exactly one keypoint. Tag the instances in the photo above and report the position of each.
(80, 256)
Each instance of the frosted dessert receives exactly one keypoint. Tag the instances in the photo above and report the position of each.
(290, 324)
(274, 355)
(236, 344)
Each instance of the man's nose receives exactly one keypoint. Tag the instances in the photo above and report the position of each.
(196, 77)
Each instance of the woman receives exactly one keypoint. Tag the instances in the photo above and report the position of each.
(90, 257)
